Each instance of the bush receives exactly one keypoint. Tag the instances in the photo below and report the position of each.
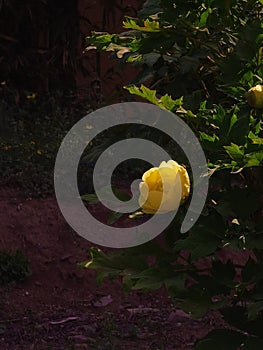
(198, 60)
(14, 267)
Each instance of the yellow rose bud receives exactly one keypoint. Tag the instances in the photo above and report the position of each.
(255, 96)
(163, 189)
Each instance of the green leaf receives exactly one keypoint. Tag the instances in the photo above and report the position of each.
(143, 92)
(149, 25)
(249, 271)
(196, 302)
(224, 208)
(221, 339)
(255, 242)
(253, 343)
(235, 152)
(256, 140)
(127, 282)
(149, 279)
(206, 236)
(168, 102)
(113, 217)
(105, 191)
(121, 194)
(239, 128)
(243, 202)
(203, 18)
(150, 7)
(150, 58)
(209, 142)
(91, 198)
(189, 113)
(112, 265)
(237, 317)
(224, 273)
(208, 138)
(149, 94)
(175, 284)
(253, 159)
(254, 309)
(201, 244)
(101, 40)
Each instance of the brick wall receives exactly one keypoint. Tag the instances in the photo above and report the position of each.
(100, 78)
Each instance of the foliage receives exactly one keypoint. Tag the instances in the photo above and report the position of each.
(14, 267)
(199, 50)
(198, 60)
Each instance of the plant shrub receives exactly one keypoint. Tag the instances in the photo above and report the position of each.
(198, 60)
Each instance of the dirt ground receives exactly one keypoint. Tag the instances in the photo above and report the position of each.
(60, 306)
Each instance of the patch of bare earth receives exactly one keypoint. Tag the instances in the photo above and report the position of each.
(60, 306)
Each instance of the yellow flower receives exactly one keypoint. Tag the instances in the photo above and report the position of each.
(88, 127)
(7, 148)
(39, 152)
(31, 97)
(163, 189)
(3, 83)
(255, 96)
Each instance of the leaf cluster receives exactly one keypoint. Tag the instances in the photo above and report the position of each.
(197, 60)
(14, 267)
(191, 48)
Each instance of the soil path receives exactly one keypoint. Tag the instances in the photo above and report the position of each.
(60, 306)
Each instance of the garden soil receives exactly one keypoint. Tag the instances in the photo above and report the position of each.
(60, 305)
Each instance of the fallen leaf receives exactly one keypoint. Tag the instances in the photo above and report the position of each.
(104, 301)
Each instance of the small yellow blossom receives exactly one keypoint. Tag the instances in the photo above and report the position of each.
(88, 127)
(31, 97)
(255, 96)
(7, 148)
(3, 83)
(39, 152)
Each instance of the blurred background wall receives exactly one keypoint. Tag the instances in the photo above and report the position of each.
(42, 46)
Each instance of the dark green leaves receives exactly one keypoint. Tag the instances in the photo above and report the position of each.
(147, 25)
(14, 267)
(238, 317)
(235, 152)
(200, 244)
(198, 59)
(254, 309)
(221, 339)
(165, 101)
(197, 302)
(150, 7)
(205, 238)
(224, 273)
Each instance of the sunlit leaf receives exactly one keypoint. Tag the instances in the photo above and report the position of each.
(149, 25)
(235, 152)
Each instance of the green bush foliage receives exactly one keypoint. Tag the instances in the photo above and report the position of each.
(14, 267)
(198, 60)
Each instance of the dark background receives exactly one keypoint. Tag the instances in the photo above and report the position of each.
(42, 45)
